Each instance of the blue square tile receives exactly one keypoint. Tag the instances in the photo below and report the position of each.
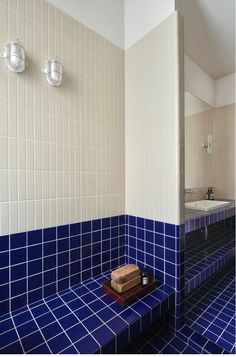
(21, 318)
(170, 229)
(87, 345)
(86, 227)
(63, 231)
(35, 252)
(97, 305)
(117, 325)
(51, 330)
(103, 335)
(35, 237)
(49, 234)
(14, 348)
(32, 341)
(27, 328)
(91, 323)
(83, 313)
(45, 319)
(96, 224)
(6, 325)
(76, 332)
(178, 344)
(59, 343)
(122, 340)
(5, 243)
(42, 349)
(39, 310)
(190, 350)
(61, 311)
(149, 224)
(8, 338)
(18, 287)
(213, 348)
(75, 229)
(17, 256)
(17, 240)
(106, 314)
(130, 316)
(140, 222)
(159, 227)
(68, 321)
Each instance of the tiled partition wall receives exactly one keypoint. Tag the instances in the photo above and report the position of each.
(61, 155)
(154, 129)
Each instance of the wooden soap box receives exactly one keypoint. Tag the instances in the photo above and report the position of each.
(129, 297)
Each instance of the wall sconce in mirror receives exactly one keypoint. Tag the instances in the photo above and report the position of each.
(206, 144)
(53, 70)
(14, 56)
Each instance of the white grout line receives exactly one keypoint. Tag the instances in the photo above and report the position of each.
(64, 331)
(39, 329)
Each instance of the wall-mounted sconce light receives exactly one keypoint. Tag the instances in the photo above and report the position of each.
(206, 144)
(14, 56)
(53, 71)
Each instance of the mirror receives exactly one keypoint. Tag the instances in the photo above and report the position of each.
(199, 142)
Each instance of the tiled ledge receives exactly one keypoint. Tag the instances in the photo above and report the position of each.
(203, 270)
(197, 219)
(81, 319)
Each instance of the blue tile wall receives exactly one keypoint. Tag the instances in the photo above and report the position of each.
(204, 256)
(208, 218)
(159, 247)
(37, 264)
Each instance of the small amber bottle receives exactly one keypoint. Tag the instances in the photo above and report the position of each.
(144, 278)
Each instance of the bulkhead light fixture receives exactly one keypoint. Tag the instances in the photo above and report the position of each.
(14, 56)
(53, 70)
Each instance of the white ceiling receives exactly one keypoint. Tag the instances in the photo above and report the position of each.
(194, 105)
(209, 25)
(106, 17)
(210, 34)
(141, 16)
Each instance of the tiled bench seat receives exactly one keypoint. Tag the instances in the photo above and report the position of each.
(206, 256)
(81, 319)
(204, 269)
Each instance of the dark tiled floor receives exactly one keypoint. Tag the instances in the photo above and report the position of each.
(79, 320)
(211, 309)
(159, 339)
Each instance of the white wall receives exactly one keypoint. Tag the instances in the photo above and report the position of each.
(141, 16)
(216, 93)
(225, 90)
(194, 105)
(154, 124)
(198, 82)
(106, 17)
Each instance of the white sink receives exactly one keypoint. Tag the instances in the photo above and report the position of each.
(206, 205)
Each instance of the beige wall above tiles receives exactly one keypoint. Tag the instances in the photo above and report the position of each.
(61, 149)
(155, 124)
(224, 164)
(218, 169)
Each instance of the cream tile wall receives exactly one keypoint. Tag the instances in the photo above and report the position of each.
(199, 167)
(225, 151)
(218, 169)
(61, 149)
(154, 131)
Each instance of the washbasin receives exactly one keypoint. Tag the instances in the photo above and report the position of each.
(206, 205)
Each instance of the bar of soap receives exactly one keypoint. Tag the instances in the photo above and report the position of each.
(125, 273)
(122, 288)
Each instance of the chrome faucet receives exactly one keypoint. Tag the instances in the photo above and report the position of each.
(190, 191)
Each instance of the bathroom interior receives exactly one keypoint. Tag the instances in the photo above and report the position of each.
(117, 150)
